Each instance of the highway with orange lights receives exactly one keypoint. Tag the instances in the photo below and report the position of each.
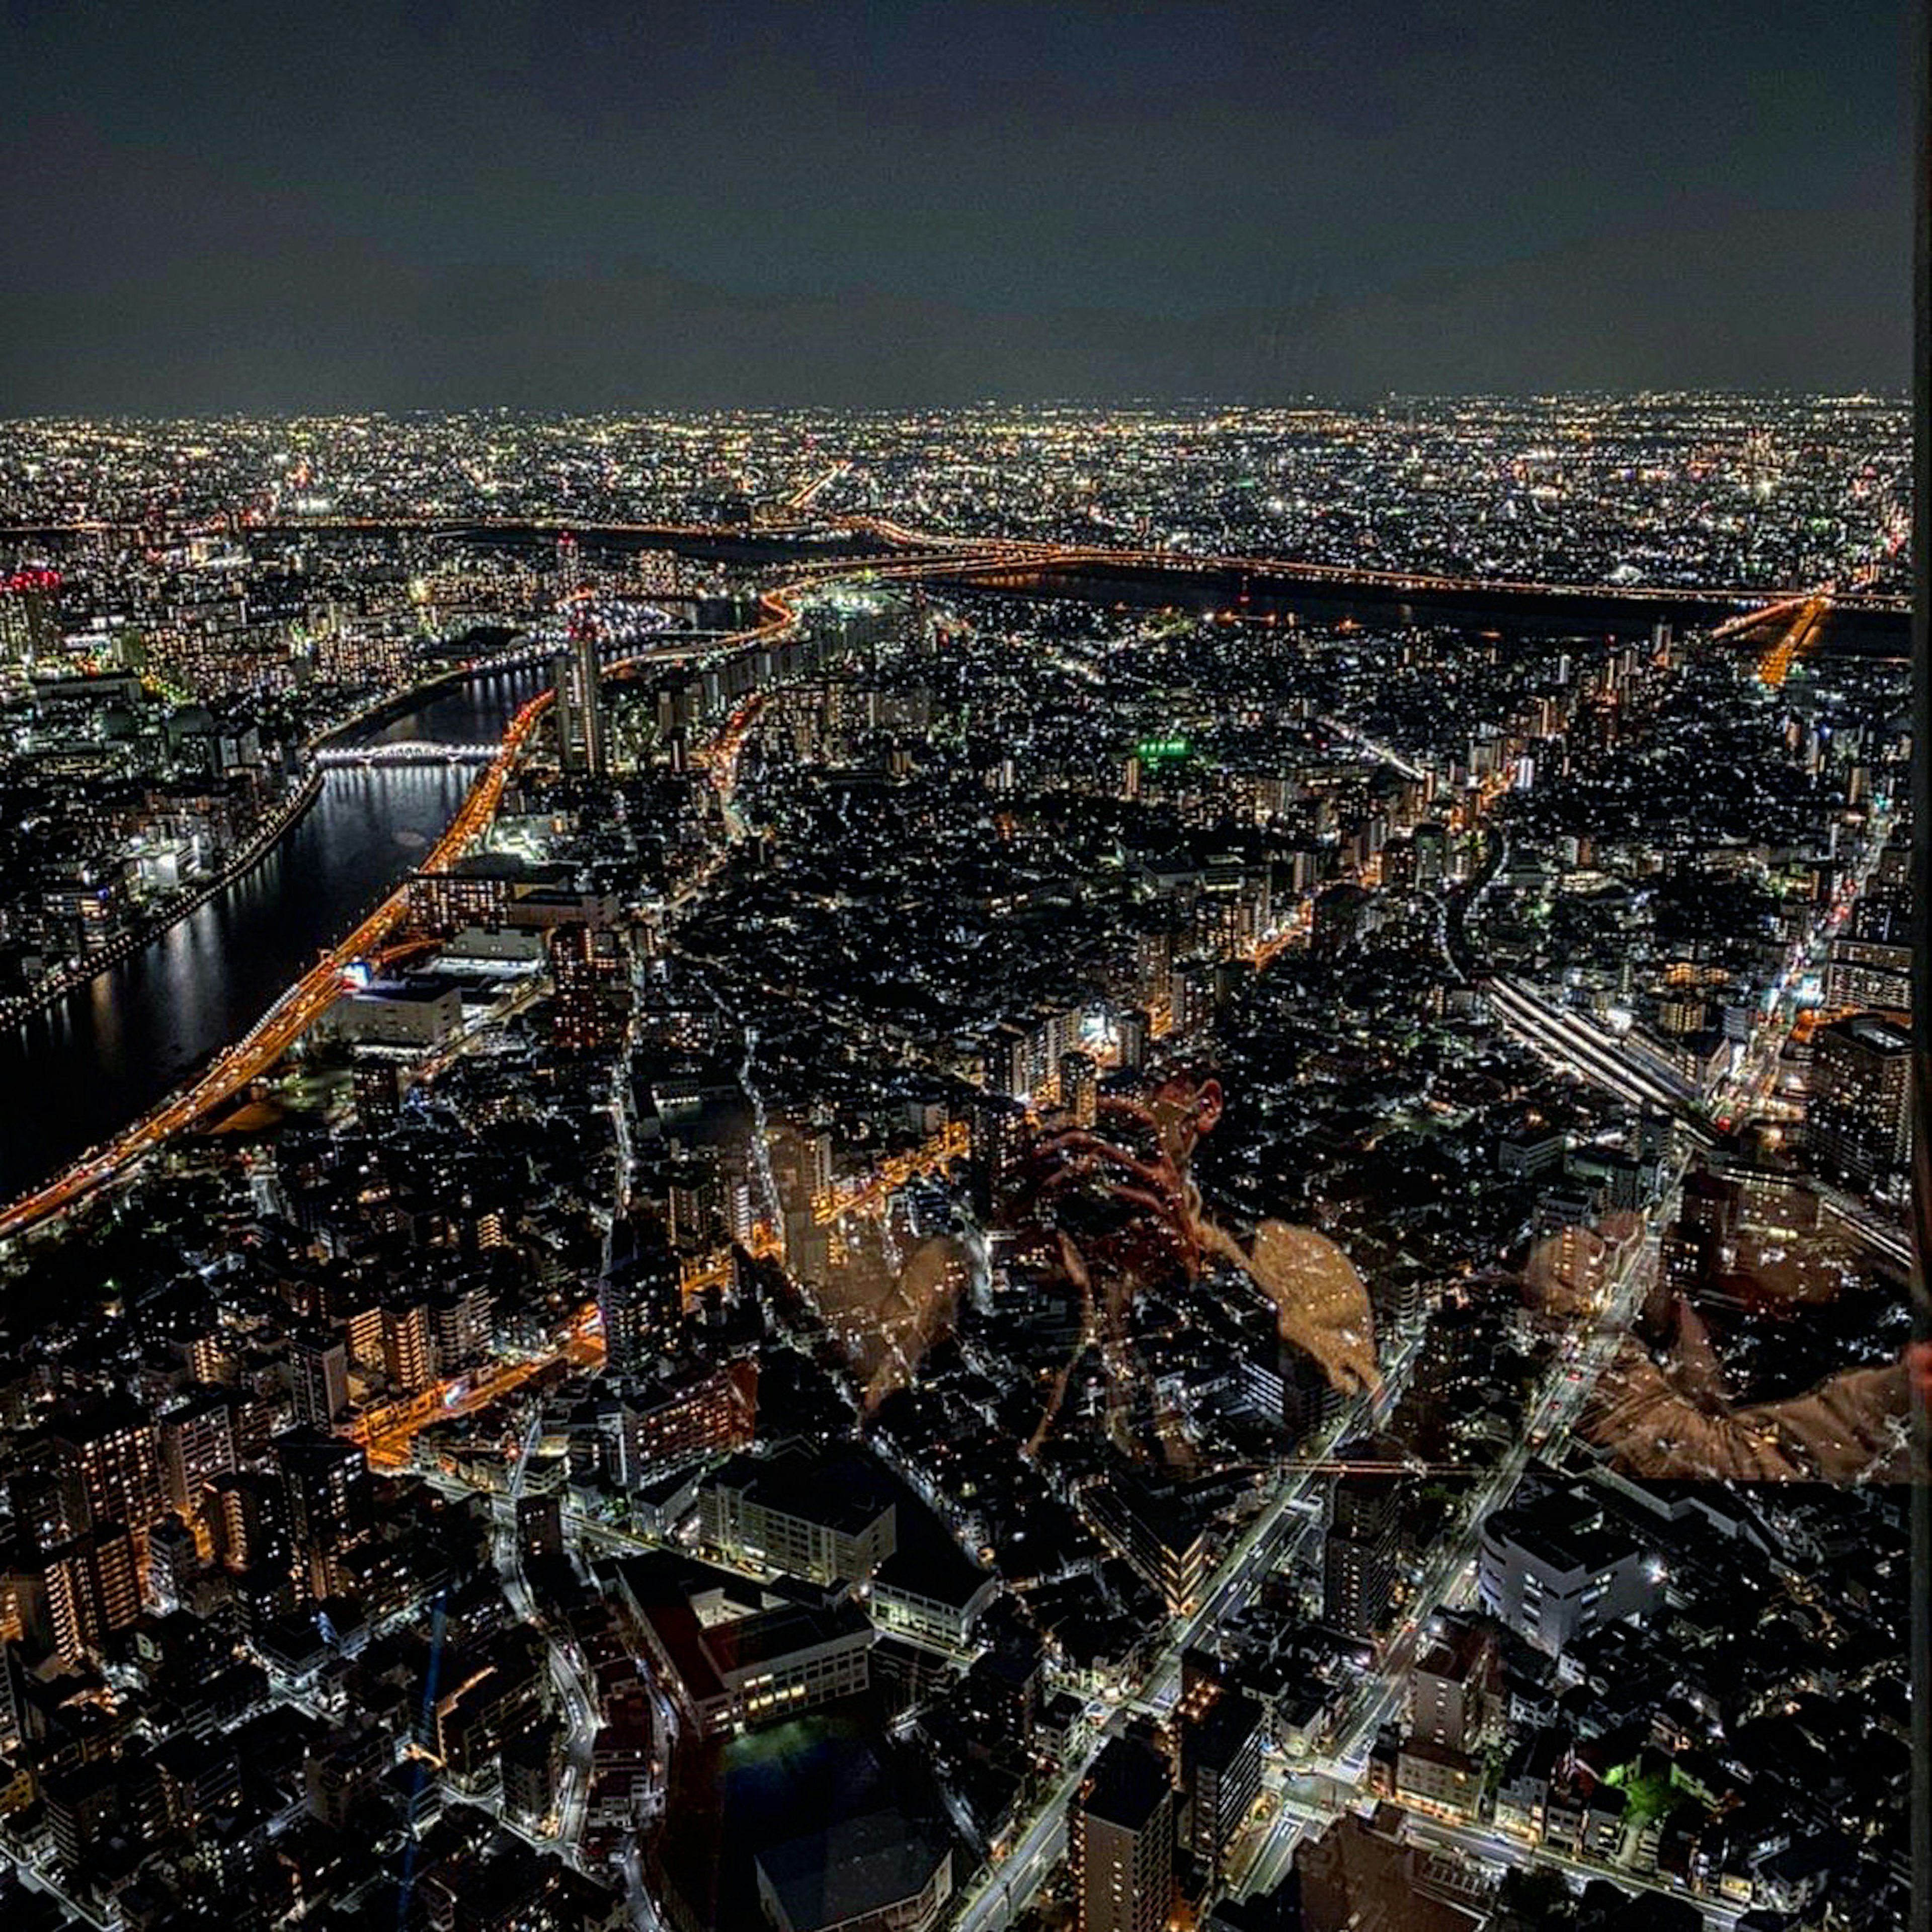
(277, 1030)
(1775, 666)
(311, 996)
(389, 1432)
(1720, 605)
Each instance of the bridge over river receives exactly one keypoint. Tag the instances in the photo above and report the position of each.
(406, 751)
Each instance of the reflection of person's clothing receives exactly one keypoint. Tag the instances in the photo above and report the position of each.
(1321, 1305)
(1672, 1419)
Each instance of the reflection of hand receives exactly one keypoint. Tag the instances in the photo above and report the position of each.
(1140, 1160)
(1565, 1271)
(1321, 1305)
(1671, 1417)
(1918, 1369)
(1693, 1361)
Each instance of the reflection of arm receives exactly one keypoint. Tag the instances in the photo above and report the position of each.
(1321, 1305)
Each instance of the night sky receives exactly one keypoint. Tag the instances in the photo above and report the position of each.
(582, 205)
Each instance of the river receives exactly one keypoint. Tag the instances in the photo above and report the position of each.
(73, 1074)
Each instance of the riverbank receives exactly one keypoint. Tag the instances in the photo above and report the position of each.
(296, 1006)
(281, 820)
(398, 703)
(55, 987)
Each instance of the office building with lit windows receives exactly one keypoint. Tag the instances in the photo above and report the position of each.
(1859, 1120)
(735, 1654)
(827, 1519)
(1358, 1555)
(1556, 1568)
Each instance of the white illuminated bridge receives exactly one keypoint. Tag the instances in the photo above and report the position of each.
(407, 751)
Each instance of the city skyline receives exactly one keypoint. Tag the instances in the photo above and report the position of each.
(979, 1167)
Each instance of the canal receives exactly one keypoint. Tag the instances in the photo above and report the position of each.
(77, 1071)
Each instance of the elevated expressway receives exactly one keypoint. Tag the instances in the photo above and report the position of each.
(1857, 623)
(310, 997)
(304, 1003)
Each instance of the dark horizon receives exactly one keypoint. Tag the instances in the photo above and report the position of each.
(440, 208)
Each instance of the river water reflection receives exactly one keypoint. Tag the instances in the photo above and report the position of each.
(73, 1074)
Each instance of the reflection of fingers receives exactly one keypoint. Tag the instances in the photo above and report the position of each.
(1075, 1267)
(1080, 1141)
(1161, 1204)
(1362, 1367)
(1068, 1174)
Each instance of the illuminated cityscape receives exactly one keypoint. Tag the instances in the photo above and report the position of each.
(623, 1298)
(1138, 1164)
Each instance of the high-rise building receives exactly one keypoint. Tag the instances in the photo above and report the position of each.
(1220, 1772)
(1451, 1688)
(1191, 995)
(1283, 1383)
(640, 1300)
(1120, 1837)
(93, 1589)
(1151, 1528)
(326, 1489)
(249, 1519)
(1859, 1120)
(563, 691)
(580, 737)
(197, 1445)
(83, 1807)
(318, 1376)
(29, 627)
(1080, 1088)
(1009, 1061)
(409, 1356)
(1358, 1553)
(109, 1461)
(586, 966)
(998, 1127)
(540, 1526)
(1153, 959)
(1131, 1030)
(377, 1084)
(460, 1316)
(694, 1198)
(174, 1560)
(702, 1409)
